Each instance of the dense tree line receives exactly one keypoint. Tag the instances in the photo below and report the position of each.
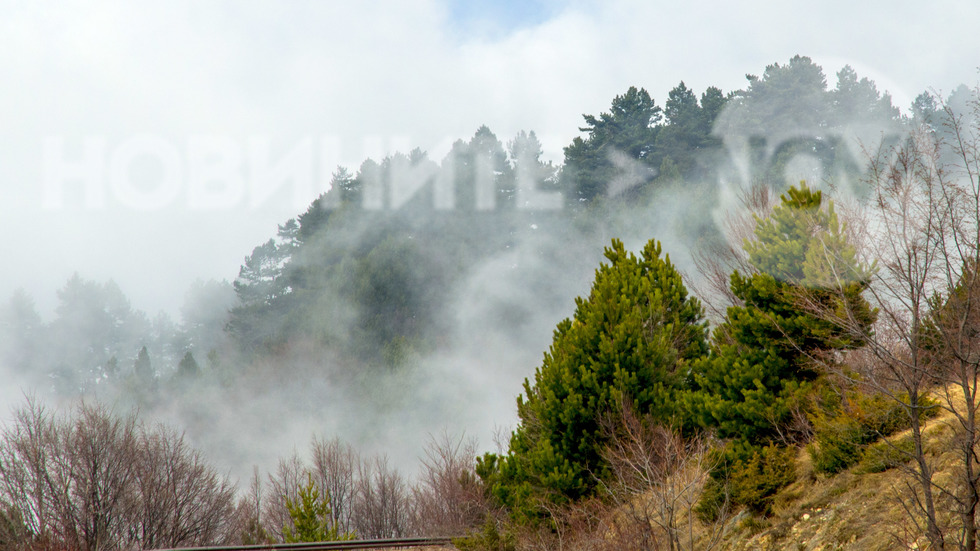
(374, 267)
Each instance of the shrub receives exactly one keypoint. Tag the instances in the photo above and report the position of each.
(310, 515)
(747, 476)
(757, 480)
(886, 455)
(490, 538)
(840, 437)
(838, 443)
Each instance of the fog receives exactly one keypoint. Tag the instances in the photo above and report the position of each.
(157, 145)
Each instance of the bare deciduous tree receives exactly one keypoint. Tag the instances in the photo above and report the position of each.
(93, 481)
(923, 224)
(448, 499)
(335, 466)
(183, 501)
(381, 505)
(249, 514)
(27, 483)
(657, 479)
(283, 487)
(715, 261)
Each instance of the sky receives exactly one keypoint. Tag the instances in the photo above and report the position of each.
(158, 143)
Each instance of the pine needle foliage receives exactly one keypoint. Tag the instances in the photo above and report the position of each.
(310, 515)
(631, 340)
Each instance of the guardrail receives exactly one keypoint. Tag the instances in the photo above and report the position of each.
(328, 545)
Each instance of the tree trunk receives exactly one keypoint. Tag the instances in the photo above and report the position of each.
(928, 505)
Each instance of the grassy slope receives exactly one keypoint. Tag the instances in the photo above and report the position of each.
(849, 511)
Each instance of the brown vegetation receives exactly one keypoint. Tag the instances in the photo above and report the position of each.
(94, 481)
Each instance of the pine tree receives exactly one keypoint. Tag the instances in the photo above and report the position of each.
(311, 516)
(142, 367)
(629, 344)
(766, 354)
(629, 128)
(188, 366)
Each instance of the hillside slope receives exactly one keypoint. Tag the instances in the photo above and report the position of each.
(854, 510)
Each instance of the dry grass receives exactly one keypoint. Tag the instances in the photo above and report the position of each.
(849, 511)
(853, 510)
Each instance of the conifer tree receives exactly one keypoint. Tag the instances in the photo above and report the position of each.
(766, 353)
(142, 366)
(188, 366)
(629, 128)
(310, 516)
(629, 344)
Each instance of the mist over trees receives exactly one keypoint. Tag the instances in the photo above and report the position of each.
(420, 280)
(97, 340)
(374, 269)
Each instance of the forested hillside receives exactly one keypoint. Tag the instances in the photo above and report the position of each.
(374, 269)
(779, 272)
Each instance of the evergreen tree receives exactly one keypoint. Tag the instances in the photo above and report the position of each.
(112, 367)
(94, 321)
(289, 240)
(256, 279)
(926, 111)
(263, 288)
(629, 344)
(204, 314)
(529, 171)
(680, 138)
(629, 129)
(310, 516)
(859, 100)
(684, 144)
(344, 190)
(765, 355)
(481, 173)
(188, 366)
(142, 367)
(21, 333)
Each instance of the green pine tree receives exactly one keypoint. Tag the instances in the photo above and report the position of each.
(311, 517)
(629, 128)
(630, 341)
(765, 355)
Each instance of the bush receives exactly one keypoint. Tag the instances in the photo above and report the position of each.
(310, 516)
(490, 538)
(838, 443)
(886, 455)
(747, 476)
(757, 480)
(840, 438)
